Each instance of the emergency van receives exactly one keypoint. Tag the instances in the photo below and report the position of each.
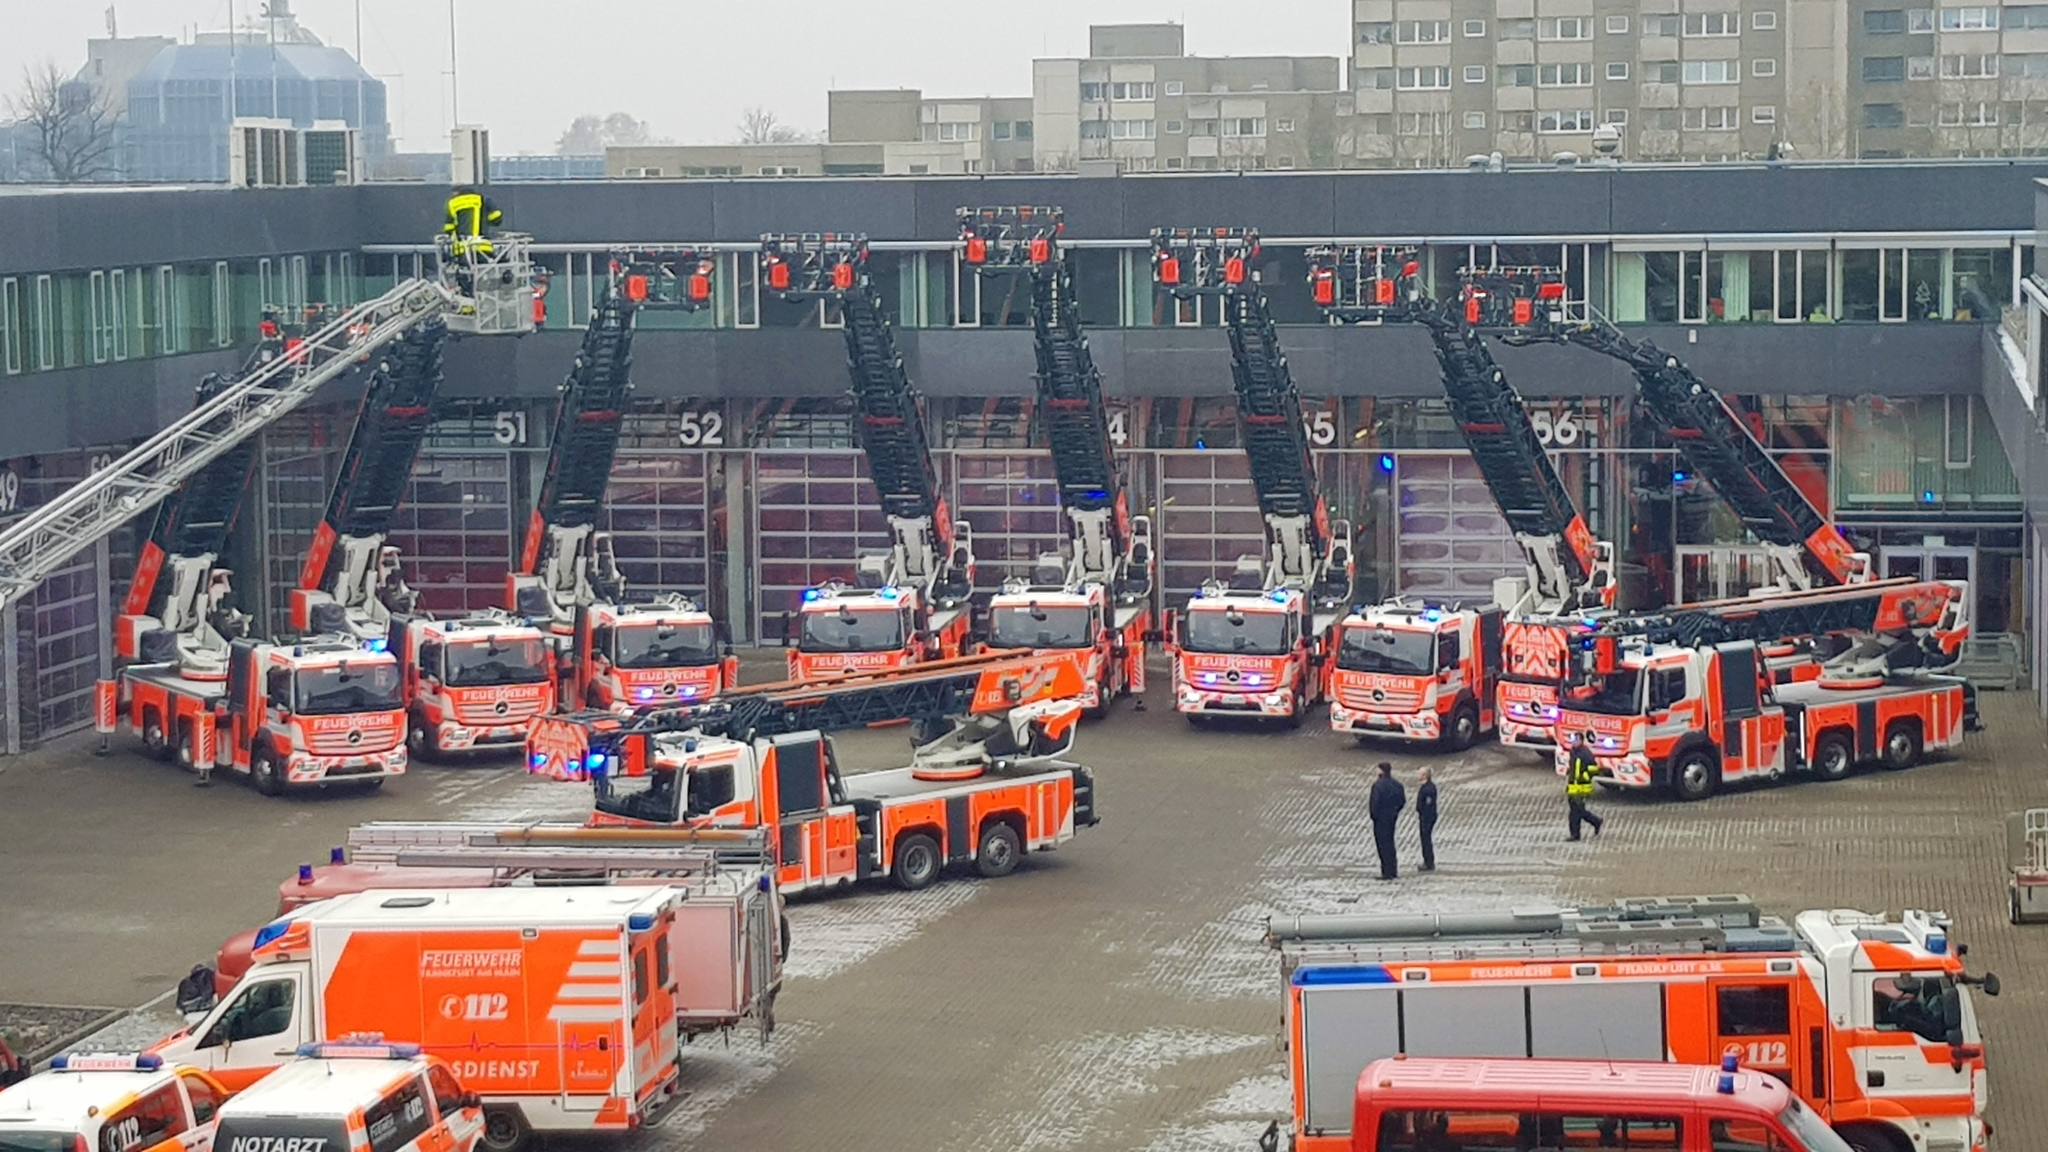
(357, 1094)
(557, 1005)
(1449, 1105)
(111, 1102)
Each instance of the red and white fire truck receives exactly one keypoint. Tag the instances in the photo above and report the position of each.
(1261, 644)
(1097, 599)
(474, 683)
(1868, 1019)
(1687, 699)
(986, 783)
(613, 653)
(910, 603)
(1417, 671)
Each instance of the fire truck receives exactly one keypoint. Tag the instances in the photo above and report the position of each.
(612, 653)
(1686, 699)
(1259, 645)
(986, 782)
(910, 603)
(1868, 1019)
(1098, 598)
(1429, 671)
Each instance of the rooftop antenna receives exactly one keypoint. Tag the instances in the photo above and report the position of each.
(454, 83)
(113, 28)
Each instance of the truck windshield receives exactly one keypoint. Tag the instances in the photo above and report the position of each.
(13, 1140)
(651, 797)
(274, 1133)
(370, 687)
(846, 630)
(1370, 649)
(1813, 1132)
(472, 663)
(1229, 630)
(1618, 693)
(664, 645)
(1036, 626)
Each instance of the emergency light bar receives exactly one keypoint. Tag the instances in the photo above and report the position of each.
(368, 1046)
(106, 1062)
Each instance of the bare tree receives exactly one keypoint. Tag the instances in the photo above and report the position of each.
(70, 124)
(588, 135)
(758, 125)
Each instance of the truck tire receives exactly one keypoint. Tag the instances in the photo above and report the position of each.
(999, 851)
(782, 952)
(264, 774)
(182, 750)
(1901, 745)
(505, 1130)
(422, 740)
(1295, 707)
(1832, 757)
(1463, 730)
(917, 863)
(1695, 775)
(156, 738)
(1872, 1138)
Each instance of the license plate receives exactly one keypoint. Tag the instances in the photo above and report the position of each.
(1233, 698)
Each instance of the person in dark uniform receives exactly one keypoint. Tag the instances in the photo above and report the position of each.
(1578, 784)
(1425, 819)
(1384, 806)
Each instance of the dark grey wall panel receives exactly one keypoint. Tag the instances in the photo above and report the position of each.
(104, 228)
(949, 362)
(1094, 207)
(107, 404)
(1862, 198)
(1567, 203)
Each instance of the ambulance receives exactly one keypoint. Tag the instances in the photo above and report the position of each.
(558, 1006)
(355, 1093)
(111, 1102)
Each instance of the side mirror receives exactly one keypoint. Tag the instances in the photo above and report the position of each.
(1443, 675)
(1989, 983)
(472, 1100)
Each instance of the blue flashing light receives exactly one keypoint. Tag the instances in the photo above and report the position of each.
(1342, 974)
(337, 855)
(1277, 595)
(106, 1062)
(1678, 477)
(643, 693)
(1097, 494)
(688, 690)
(1253, 678)
(1728, 1062)
(305, 873)
(1927, 496)
(888, 592)
(640, 921)
(1726, 1086)
(762, 882)
(1937, 943)
(810, 594)
(1386, 461)
(594, 763)
(376, 644)
(1201, 445)
(538, 760)
(270, 932)
(1431, 615)
(1208, 677)
(361, 1046)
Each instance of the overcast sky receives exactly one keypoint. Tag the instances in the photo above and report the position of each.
(527, 67)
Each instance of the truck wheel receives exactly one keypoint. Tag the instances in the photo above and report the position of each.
(1871, 1138)
(1695, 776)
(1295, 707)
(422, 740)
(155, 739)
(182, 750)
(2012, 905)
(505, 1130)
(782, 953)
(1463, 730)
(999, 851)
(917, 862)
(1901, 746)
(263, 770)
(1832, 759)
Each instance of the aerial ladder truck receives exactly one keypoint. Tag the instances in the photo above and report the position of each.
(1098, 598)
(612, 653)
(1259, 645)
(910, 603)
(1449, 671)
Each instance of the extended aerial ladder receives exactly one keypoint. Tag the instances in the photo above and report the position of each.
(616, 654)
(1099, 596)
(485, 295)
(1805, 548)
(176, 609)
(929, 566)
(1307, 572)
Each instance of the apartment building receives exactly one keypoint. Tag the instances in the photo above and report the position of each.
(1138, 99)
(1945, 81)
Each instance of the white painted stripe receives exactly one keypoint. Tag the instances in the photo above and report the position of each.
(611, 947)
(588, 992)
(583, 1013)
(595, 969)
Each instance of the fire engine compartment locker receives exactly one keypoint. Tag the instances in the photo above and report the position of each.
(1347, 1023)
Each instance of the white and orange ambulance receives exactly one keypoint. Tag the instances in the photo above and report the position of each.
(558, 1006)
(111, 1102)
(357, 1094)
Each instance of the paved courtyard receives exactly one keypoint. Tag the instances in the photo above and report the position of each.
(1112, 995)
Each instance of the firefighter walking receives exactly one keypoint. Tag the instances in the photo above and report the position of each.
(1578, 785)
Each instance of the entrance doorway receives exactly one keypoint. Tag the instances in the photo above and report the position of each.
(1930, 562)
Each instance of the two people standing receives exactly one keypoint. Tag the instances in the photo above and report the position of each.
(1384, 804)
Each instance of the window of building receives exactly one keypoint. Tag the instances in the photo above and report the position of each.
(1132, 129)
(1661, 71)
(1239, 126)
(1713, 24)
(1092, 91)
(1283, 125)
(1023, 129)
(1763, 67)
(1284, 162)
(1968, 114)
(1564, 76)
(1421, 79)
(1174, 128)
(1884, 22)
(1131, 90)
(1518, 29)
(1764, 114)
(1881, 69)
(1475, 28)
(10, 325)
(1094, 129)
(1718, 119)
(1516, 75)
(959, 130)
(1883, 116)
(1565, 28)
(1376, 32)
(1969, 19)
(1617, 25)
(1919, 67)
(1476, 121)
(1764, 21)
(1712, 71)
(1205, 127)
(1661, 119)
(1660, 25)
(1475, 73)
(1615, 116)
(223, 305)
(1919, 19)
(1518, 121)
(1617, 70)
(1173, 161)
(1001, 130)
(1422, 123)
(2026, 16)
(1970, 66)
(1422, 31)
(1174, 88)
(1374, 79)
(2027, 65)
(1569, 120)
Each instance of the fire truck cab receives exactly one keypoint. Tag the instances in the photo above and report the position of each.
(843, 629)
(473, 683)
(1417, 671)
(627, 656)
(1109, 637)
(1249, 652)
(321, 711)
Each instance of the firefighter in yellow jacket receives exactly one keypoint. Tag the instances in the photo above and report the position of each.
(1578, 784)
(471, 217)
